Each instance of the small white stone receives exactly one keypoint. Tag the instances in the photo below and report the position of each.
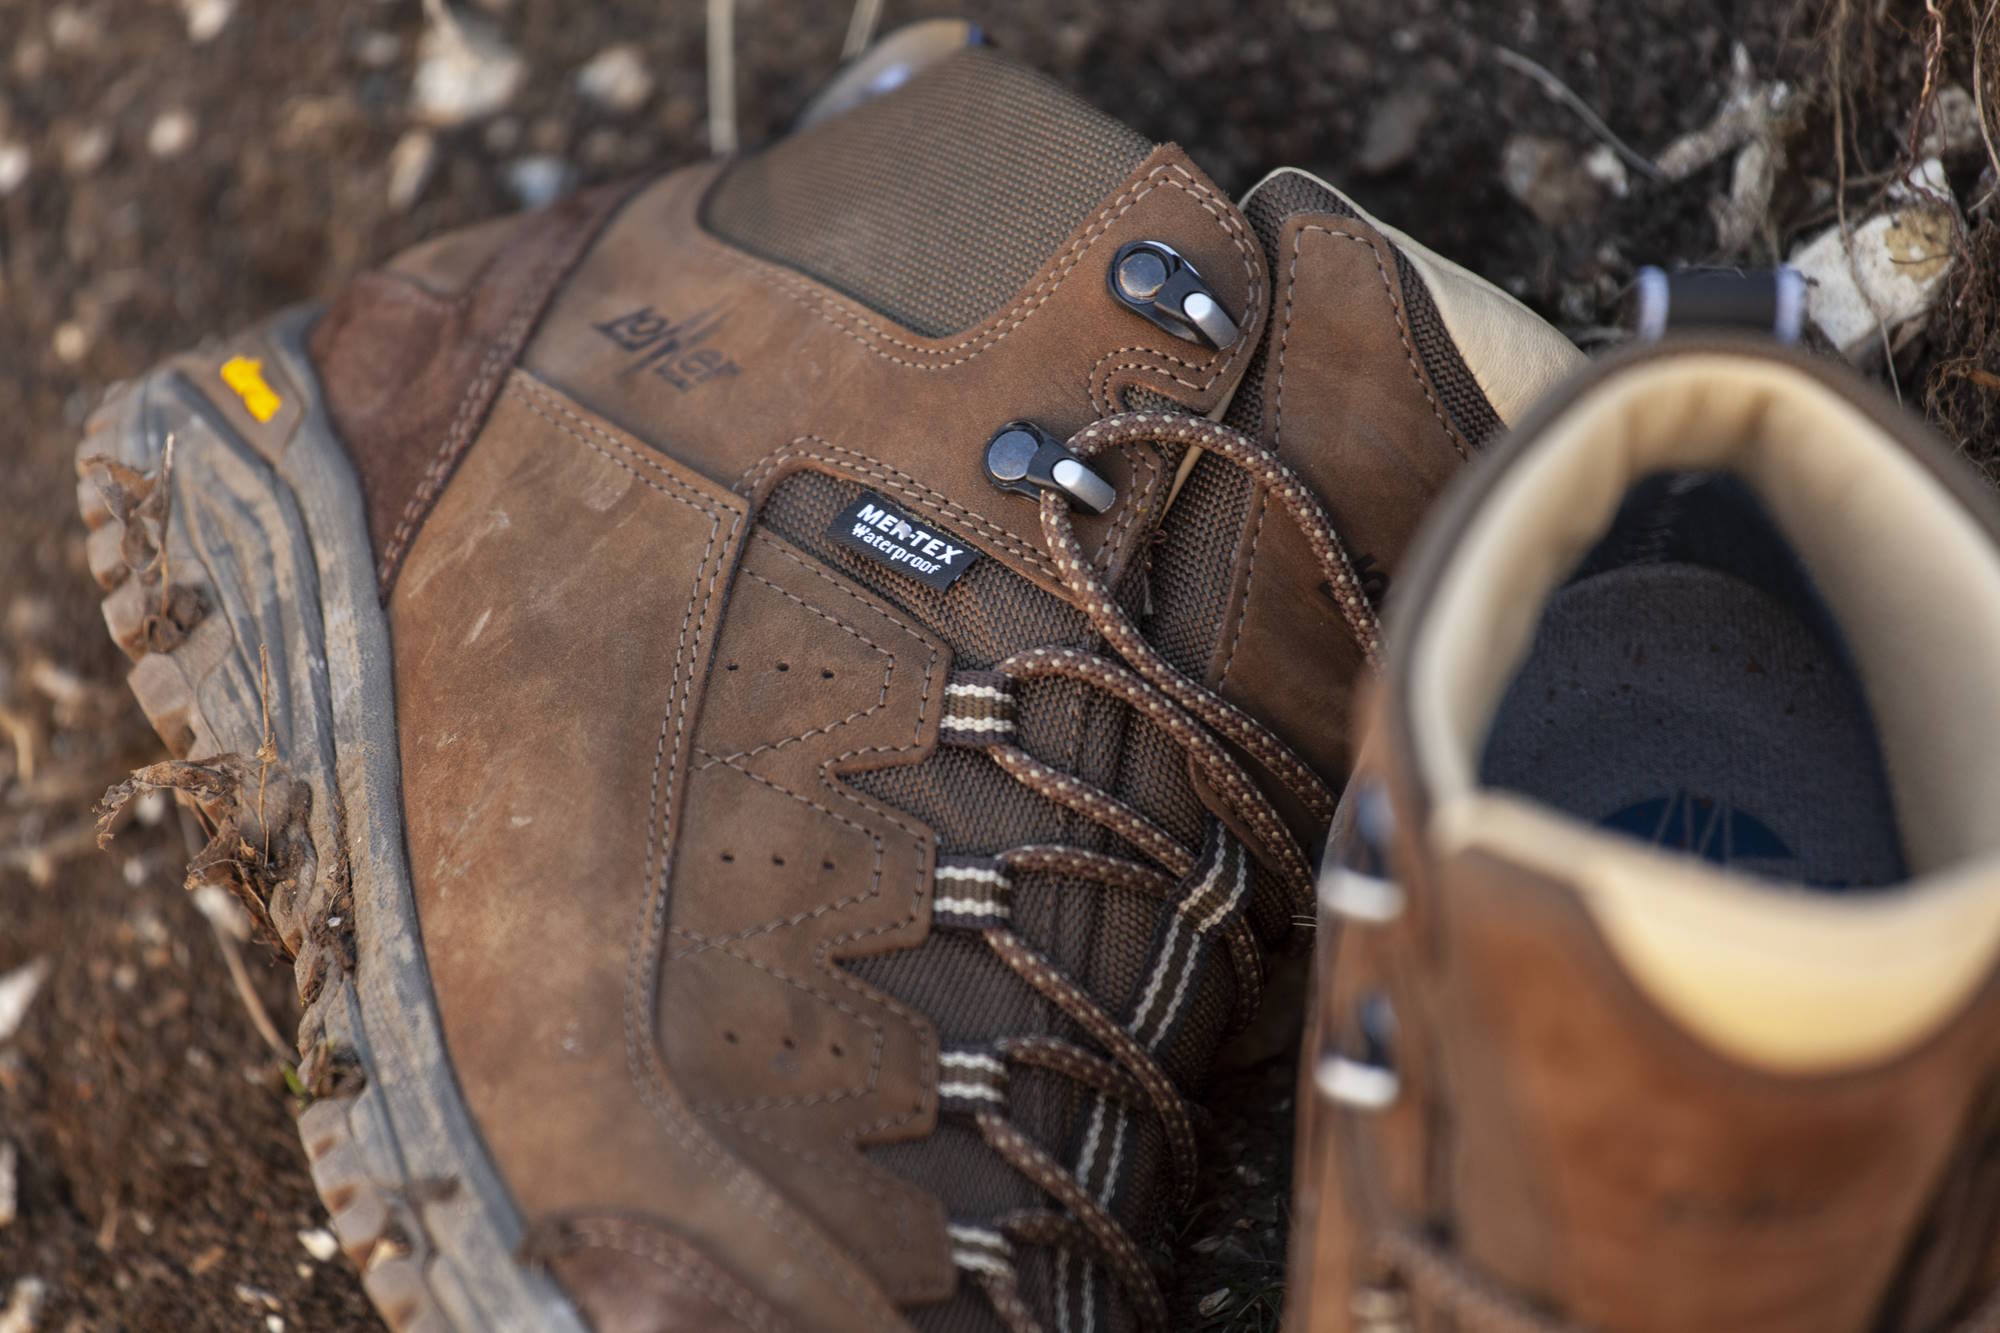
(1953, 127)
(410, 164)
(617, 79)
(219, 905)
(73, 29)
(376, 49)
(464, 72)
(172, 132)
(17, 992)
(1901, 257)
(1603, 165)
(149, 929)
(24, 1304)
(10, 1161)
(538, 181)
(85, 149)
(319, 1243)
(14, 163)
(1924, 182)
(206, 18)
(274, 1323)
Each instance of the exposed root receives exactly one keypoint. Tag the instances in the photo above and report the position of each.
(1962, 392)
(231, 925)
(1559, 91)
(329, 1071)
(143, 507)
(257, 861)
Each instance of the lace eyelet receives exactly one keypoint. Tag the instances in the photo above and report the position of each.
(1352, 895)
(1369, 1083)
(1380, 1309)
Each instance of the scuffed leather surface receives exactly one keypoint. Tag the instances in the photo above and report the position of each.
(1607, 1143)
(409, 357)
(1349, 407)
(1583, 1155)
(640, 1025)
(821, 381)
(628, 1276)
(779, 871)
(554, 626)
(1577, 1149)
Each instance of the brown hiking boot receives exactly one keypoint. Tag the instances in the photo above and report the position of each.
(1659, 937)
(773, 836)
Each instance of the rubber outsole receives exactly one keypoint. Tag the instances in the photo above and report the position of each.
(276, 548)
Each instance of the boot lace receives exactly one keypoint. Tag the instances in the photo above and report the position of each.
(1207, 888)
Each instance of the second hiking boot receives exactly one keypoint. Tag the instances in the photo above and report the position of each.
(1660, 944)
(795, 725)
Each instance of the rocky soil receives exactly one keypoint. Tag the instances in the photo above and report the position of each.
(173, 167)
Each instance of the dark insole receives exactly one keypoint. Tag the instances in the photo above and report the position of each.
(1688, 708)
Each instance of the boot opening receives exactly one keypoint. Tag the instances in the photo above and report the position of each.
(1687, 686)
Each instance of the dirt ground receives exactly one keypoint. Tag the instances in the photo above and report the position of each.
(160, 1182)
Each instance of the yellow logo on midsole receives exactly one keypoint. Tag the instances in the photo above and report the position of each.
(246, 376)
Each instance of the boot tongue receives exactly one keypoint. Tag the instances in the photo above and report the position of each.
(936, 203)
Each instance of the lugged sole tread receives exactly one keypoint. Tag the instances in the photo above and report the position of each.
(206, 695)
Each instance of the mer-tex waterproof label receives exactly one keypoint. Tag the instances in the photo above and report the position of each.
(885, 534)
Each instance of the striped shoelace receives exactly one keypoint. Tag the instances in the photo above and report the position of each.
(1207, 889)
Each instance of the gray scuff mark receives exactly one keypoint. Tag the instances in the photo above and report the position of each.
(24, 1306)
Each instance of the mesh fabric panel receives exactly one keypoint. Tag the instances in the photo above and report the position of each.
(1191, 564)
(935, 203)
(1100, 936)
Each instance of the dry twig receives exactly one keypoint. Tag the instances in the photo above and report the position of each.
(1560, 91)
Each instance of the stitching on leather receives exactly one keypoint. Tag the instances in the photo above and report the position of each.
(643, 1060)
(1402, 332)
(529, 391)
(902, 483)
(853, 324)
(1145, 473)
(499, 357)
(821, 968)
(679, 1260)
(708, 941)
(936, 503)
(675, 488)
(899, 622)
(1249, 578)
(1278, 399)
(869, 1183)
(844, 1169)
(881, 697)
(1100, 377)
(732, 946)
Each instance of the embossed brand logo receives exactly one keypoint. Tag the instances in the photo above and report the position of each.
(676, 351)
(883, 533)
